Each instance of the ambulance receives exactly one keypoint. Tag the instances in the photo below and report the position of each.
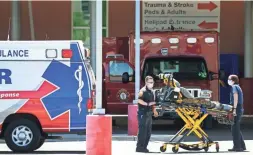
(192, 56)
(45, 87)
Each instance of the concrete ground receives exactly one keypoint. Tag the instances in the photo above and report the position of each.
(123, 144)
(123, 148)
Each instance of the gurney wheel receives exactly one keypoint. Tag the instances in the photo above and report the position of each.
(175, 150)
(217, 147)
(163, 148)
(206, 149)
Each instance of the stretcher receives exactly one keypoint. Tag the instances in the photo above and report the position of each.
(193, 112)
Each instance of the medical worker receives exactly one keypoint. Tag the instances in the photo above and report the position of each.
(146, 110)
(236, 99)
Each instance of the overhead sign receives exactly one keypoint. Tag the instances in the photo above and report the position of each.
(180, 15)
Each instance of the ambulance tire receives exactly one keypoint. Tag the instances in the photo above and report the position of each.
(42, 140)
(28, 126)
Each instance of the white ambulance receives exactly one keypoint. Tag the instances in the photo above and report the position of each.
(45, 87)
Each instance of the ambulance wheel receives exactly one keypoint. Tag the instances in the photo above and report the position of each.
(22, 136)
(42, 140)
(175, 150)
(163, 148)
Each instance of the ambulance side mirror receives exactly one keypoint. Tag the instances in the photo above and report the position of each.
(133, 78)
(213, 76)
(222, 74)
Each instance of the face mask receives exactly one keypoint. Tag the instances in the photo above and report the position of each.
(230, 82)
(150, 86)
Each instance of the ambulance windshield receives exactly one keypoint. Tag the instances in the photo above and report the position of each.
(187, 68)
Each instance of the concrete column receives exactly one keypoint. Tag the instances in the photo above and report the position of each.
(248, 41)
(15, 20)
(93, 34)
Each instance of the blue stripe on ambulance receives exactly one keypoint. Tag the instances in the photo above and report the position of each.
(67, 97)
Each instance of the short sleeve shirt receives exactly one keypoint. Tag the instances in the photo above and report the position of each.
(237, 89)
(147, 96)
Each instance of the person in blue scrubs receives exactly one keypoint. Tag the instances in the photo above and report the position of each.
(236, 99)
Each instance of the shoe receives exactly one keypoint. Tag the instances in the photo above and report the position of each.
(239, 150)
(236, 150)
(146, 150)
(142, 150)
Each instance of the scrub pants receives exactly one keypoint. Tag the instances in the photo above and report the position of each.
(145, 128)
(236, 132)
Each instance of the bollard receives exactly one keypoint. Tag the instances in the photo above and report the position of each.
(132, 120)
(98, 135)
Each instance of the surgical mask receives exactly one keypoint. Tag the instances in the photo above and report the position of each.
(150, 86)
(230, 82)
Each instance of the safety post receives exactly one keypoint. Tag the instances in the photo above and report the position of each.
(99, 135)
(132, 109)
(98, 125)
(132, 120)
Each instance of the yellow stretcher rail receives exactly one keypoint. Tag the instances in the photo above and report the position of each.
(193, 120)
(193, 117)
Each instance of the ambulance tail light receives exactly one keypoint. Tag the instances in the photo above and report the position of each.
(67, 53)
(90, 105)
(91, 101)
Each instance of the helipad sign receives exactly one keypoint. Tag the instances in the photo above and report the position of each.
(164, 15)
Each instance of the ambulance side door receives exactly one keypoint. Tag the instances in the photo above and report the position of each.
(119, 94)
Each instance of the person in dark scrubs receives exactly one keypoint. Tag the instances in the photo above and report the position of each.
(146, 110)
(236, 99)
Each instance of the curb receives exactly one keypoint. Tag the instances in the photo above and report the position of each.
(119, 137)
(115, 137)
(152, 138)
